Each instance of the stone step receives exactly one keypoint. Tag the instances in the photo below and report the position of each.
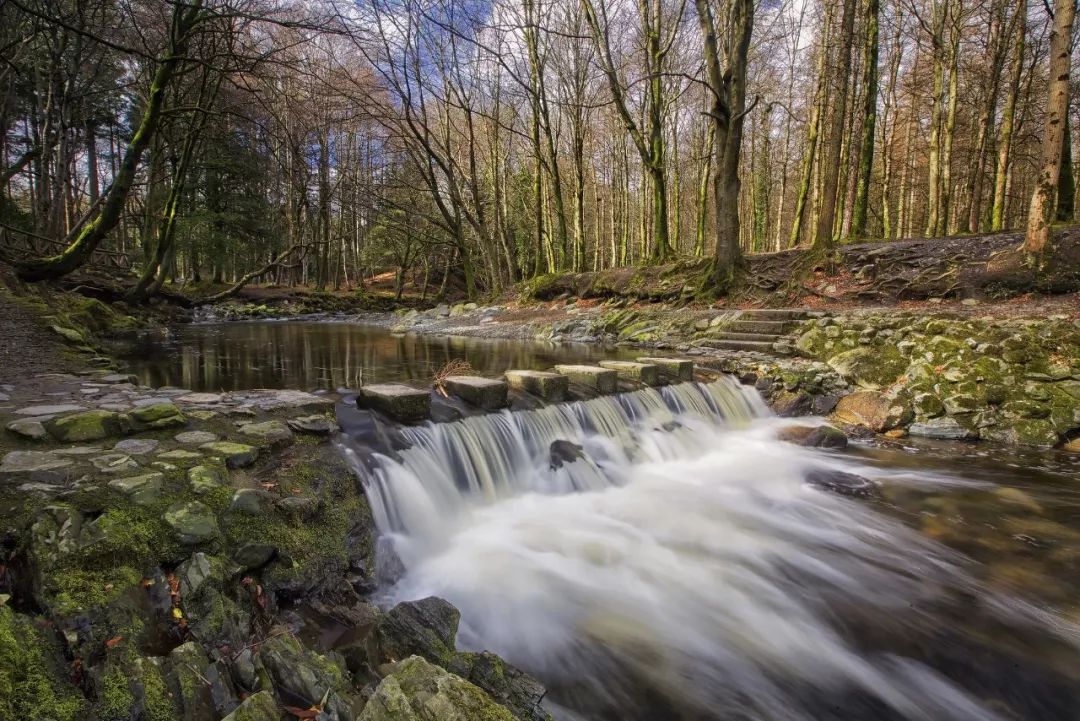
(602, 380)
(551, 387)
(647, 373)
(770, 327)
(486, 393)
(400, 402)
(776, 314)
(673, 370)
(747, 345)
(770, 337)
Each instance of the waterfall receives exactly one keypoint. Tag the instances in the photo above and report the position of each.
(658, 555)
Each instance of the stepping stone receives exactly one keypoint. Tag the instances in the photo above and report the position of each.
(271, 432)
(193, 522)
(235, 455)
(53, 410)
(114, 463)
(136, 446)
(157, 415)
(30, 462)
(551, 387)
(79, 451)
(647, 373)
(143, 490)
(119, 378)
(205, 478)
(28, 428)
(672, 369)
(4, 398)
(486, 393)
(86, 426)
(195, 438)
(314, 425)
(180, 455)
(602, 380)
(200, 398)
(400, 402)
(251, 501)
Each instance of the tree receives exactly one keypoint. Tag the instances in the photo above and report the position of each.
(1044, 199)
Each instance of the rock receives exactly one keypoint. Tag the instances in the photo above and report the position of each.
(551, 387)
(673, 370)
(144, 490)
(1020, 498)
(118, 378)
(314, 425)
(416, 690)
(946, 428)
(204, 479)
(206, 690)
(486, 393)
(871, 409)
(646, 373)
(602, 380)
(303, 678)
(195, 438)
(1072, 446)
(200, 398)
(180, 455)
(869, 367)
(34, 466)
(562, 452)
(252, 501)
(156, 416)
(303, 507)
(28, 428)
(274, 433)
(844, 484)
(259, 706)
(813, 436)
(289, 400)
(235, 455)
(193, 522)
(1035, 432)
(68, 334)
(85, 426)
(114, 463)
(253, 555)
(136, 446)
(790, 405)
(400, 402)
(427, 627)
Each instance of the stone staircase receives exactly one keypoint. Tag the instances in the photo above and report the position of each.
(758, 330)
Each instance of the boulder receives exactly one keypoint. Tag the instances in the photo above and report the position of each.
(944, 428)
(259, 706)
(252, 501)
(156, 416)
(85, 426)
(272, 433)
(416, 690)
(205, 478)
(427, 627)
(1034, 432)
(813, 436)
(844, 484)
(871, 409)
(303, 678)
(314, 425)
(28, 428)
(143, 490)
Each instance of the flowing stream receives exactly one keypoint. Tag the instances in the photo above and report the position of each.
(679, 566)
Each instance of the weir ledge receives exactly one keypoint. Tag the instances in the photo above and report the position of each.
(407, 404)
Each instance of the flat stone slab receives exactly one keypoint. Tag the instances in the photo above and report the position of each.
(270, 432)
(486, 393)
(551, 387)
(400, 402)
(314, 425)
(28, 428)
(672, 369)
(143, 490)
(235, 455)
(602, 380)
(53, 410)
(199, 398)
(136, 446)
(647, 373)
(195, 438)
(32, 462)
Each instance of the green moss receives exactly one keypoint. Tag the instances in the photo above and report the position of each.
(30, 683)
(116, 697)
(73, 590)
(157, 701)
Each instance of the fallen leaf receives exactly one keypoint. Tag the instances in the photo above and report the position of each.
(111, 643)
(304, 713)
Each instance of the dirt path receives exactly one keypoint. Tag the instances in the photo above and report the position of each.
(28, 348)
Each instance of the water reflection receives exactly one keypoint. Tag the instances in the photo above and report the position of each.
(314, 355)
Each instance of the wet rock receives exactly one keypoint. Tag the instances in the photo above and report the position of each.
(274, 433)
(195, 438)
(156, 416)
(85, 426)
(205, 478)
(235, 455)
(205, 693)
(416, 690)
(28, 428)
(144, 490)
(1017, 497)
(252, 501)
(563, 452)
(486, 393)
(136, 446)
(193, 522)
(790, 405)
(47, 410)
(301, 507)
(647, 373)
(313, 425)
(253, 555)
(303, 678)
(400, 402)
(1034, 432)
(844, 484)
(814, 436)
(945, 428)
(427, 627)
(551, 387)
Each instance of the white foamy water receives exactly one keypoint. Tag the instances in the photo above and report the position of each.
(682, 568)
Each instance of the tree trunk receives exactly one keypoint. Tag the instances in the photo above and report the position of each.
(866, 149)
(1008, 118)
(827, 214)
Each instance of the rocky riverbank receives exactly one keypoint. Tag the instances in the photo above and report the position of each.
(166, 555)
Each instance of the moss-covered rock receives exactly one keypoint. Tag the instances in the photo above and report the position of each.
(32, 684)
(259, 706)
(868, 367)
(416, 690)
(192, 522)
(156, 416)
(86, 426)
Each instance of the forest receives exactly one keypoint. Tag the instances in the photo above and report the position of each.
(212, 143)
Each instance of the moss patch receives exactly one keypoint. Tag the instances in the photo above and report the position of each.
(31, 686)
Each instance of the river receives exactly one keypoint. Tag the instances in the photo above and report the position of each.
(671, 560)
